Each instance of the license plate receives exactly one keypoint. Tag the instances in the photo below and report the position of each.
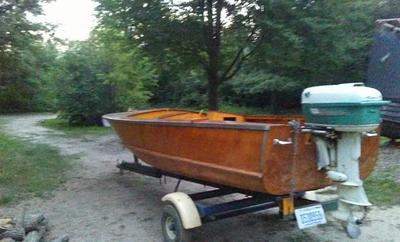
(310, 216)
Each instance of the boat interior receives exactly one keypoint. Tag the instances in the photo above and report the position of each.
(213, 116)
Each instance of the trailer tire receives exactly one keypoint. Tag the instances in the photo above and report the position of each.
(172, 226)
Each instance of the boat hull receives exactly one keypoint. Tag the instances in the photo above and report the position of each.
(240, 155)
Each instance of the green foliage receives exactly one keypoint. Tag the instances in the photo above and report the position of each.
(75, 131)
(258, 88)
(192, 34)
(270, 49)
(243, 109)
(386, 9)
(94, 79)
(45, 97)
(253, 53)
(20, 56)
(129, 71)
(317, 42)
(28, 169)
(305, 43)
(191, 91)
(382, 189)
(82, 97)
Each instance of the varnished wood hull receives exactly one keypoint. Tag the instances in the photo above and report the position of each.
(238, 154)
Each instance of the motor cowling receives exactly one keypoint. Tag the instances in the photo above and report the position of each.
(338, 116)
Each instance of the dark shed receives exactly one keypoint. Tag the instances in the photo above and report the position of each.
(384, 74)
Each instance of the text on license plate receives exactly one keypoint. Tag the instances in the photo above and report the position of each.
(310, 216)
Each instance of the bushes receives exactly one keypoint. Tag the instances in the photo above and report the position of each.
(23, 56)
(82, 97)
(92, 81)
(260, 88)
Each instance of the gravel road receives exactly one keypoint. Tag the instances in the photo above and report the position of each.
(98, 204)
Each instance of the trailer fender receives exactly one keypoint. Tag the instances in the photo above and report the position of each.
(186, 208)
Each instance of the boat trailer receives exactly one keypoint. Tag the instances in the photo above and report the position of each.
(183, 212)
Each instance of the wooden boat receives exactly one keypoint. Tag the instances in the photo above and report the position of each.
(229, 149)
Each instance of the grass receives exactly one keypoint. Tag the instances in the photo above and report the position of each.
(384, 140)
(75, 131)
(28, 169)
(382, 189)
(381, 186)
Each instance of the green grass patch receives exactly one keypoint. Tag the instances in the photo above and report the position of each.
(75, 131)
(28, 169)
(382, 189)
(384, 140)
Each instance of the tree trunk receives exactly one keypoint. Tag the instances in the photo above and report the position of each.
(212, 93)
(273, 102)
(212, 36)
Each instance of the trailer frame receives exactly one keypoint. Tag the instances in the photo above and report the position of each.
(187, 211)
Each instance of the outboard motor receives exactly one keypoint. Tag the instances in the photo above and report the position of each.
(338, 116)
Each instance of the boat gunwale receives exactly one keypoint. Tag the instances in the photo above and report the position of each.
(124, 117)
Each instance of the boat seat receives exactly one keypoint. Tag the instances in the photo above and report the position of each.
(169, 115)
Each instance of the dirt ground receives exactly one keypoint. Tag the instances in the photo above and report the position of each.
(96, 203)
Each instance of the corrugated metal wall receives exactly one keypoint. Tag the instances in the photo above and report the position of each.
(391, 120)
(391, 112)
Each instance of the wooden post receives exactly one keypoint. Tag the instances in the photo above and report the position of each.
(286, 208)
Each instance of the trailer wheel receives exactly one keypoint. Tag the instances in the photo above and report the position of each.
(172, 226)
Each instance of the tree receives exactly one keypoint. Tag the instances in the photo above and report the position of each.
(130, 72)
(386, 9)
(305, 43)
(301, 42)
(317, 42)
(81, 97)
(20, 44)
(197, 32)
(93, 80)
(44, 77)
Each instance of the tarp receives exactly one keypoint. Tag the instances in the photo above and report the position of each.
(384, 65)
